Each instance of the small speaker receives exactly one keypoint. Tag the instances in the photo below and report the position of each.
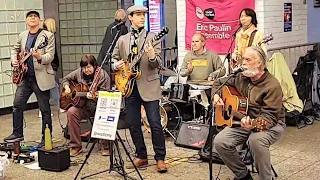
(192, 135)
(57, 159)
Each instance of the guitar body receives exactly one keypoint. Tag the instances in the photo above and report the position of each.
(73, 99)
(235, 105)
(19, 71)
(125, 78)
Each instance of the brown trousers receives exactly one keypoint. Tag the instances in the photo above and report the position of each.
(74, 116)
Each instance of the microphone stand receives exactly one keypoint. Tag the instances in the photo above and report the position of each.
(228, 56)
(212, 118)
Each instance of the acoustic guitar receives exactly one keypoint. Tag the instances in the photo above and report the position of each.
(126, 76)
(77, 97)
(234, 109)
(238, 60)
(19, 71)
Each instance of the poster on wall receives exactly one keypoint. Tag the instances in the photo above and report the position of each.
(217, 20)
(287, 17)
(154, 16)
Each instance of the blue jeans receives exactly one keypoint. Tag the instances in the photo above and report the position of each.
(23, 92)
(55, 92)
(133, 107)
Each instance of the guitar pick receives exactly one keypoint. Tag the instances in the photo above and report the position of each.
(209, 13)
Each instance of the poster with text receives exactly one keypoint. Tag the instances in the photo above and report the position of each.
(217, 20)
(287, 17)
(154, 16)
(107, 115)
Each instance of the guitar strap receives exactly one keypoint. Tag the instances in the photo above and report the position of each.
(252, 37)
(35, 38)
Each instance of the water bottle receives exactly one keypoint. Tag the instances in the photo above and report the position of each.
(47, 139)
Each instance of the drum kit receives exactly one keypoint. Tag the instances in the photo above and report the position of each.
(176, 106)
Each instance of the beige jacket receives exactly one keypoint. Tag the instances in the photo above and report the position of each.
(149, 82)
(44, 72)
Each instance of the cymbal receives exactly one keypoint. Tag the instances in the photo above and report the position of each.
(167, 72)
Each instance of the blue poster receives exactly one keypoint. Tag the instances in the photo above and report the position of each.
(287, 17)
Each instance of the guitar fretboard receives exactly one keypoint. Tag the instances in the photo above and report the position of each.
(139, 55)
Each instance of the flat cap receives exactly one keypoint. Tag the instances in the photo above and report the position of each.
(136, 8)
(33, 12)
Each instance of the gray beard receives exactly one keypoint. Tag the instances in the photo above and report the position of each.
(250, 72)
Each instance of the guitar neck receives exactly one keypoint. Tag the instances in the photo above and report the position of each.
(81, 94)
(27, 56)
(139, 55)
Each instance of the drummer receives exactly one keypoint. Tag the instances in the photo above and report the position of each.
(201, 63)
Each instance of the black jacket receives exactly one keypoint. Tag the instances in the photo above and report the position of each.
(108, 38)
(55, 61)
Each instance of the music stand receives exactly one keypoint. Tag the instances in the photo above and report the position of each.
(114, 166)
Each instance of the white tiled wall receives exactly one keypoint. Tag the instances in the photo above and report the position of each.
(270, 19)
(12, 22)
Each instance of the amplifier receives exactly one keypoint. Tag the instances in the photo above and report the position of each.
(57, 159)
(192, 135)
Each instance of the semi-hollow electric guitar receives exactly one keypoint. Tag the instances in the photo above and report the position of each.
(19, 71)
(238, 60)
(234, 109)
(126, 76)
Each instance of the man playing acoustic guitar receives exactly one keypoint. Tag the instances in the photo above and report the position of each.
(85, 75)
(265, 104)
(39, 77)
(146, 90)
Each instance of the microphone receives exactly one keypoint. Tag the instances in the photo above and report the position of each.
(235, 32)
(117, 25)
(238, 70)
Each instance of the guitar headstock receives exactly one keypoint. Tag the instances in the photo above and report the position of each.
(260, 124)
(163, 32)
(44, 43)
(267, 38)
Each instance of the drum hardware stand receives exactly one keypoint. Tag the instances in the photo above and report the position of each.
(212, 122)
(167, 131)
(116, 163)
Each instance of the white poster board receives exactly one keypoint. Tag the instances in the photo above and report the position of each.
(107, 115)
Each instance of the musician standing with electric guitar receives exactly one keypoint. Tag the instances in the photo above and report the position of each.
(264, 95)
(83, 77)
(32, 73)
(248, 35)
(145, 89)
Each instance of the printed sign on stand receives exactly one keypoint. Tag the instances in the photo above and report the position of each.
(107, 115)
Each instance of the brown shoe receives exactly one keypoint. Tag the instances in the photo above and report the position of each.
(161, 166)
(75, 151)
(138, 163)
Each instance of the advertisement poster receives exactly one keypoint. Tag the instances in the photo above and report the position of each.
(217, 20)
(154, 16)
(107, 115)
(287, 17)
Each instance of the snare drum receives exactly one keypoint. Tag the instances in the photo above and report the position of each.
(170, 116)
(179, 92)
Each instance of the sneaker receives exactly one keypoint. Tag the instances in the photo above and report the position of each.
(13, 138)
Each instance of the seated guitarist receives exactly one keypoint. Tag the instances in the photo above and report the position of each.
(85, 74)
(146, 89)
(248, 35)
(39, 78)
(265, 102)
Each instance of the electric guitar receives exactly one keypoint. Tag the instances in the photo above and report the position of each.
(235, 106)
(77, 97)
(19, 71)
(126, 76)
(238, 60)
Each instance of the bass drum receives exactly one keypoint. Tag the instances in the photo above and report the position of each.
(170, 116)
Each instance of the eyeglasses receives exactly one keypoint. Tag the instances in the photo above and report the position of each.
(87, 67)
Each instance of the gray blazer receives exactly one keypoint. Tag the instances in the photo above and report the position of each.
(149, 82)
(44, 72)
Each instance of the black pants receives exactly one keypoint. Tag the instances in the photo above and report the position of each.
(133, 107)
(24, 90)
